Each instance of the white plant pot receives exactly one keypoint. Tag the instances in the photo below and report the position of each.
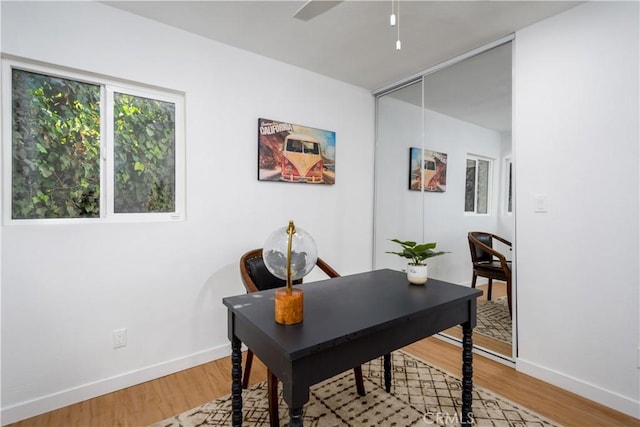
(417, 274)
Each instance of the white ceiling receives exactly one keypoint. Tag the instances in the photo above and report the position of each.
(353, 41)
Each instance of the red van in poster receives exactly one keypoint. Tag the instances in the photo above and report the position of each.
(301, 159)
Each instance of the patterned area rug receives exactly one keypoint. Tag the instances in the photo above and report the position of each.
(494, 320)
(421, 395)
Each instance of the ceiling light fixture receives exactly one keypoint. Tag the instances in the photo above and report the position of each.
(392, 18)
(397, 19)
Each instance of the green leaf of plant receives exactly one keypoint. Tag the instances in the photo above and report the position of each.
(425, 246)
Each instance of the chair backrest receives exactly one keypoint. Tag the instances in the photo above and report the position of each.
(256, 277)
(478, 254)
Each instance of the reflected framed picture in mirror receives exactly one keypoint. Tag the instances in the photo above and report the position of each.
(427, 170)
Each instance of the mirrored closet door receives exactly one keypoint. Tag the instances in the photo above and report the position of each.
(443, 169)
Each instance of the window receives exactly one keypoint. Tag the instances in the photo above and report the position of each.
(85, 147)
(144, 154)
(477, 185)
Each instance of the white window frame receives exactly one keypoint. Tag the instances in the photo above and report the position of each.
(490, 184)
(108, 86)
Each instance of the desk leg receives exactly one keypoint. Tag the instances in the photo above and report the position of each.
(467, 375)
(295, 417)
(236, 382)
(387, 372)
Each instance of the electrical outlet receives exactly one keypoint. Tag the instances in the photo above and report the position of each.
(119, 338)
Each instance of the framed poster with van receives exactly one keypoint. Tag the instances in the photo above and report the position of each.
(427, 170)
(293, 153)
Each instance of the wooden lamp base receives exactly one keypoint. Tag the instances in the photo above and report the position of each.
(288, 306)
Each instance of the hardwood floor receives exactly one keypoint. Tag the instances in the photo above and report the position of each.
(156, 400)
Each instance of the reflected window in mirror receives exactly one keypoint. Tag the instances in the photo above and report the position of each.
(477, 185)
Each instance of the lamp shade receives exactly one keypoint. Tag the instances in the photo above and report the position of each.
(304, 253)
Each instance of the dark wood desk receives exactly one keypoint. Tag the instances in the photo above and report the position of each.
(348, 321)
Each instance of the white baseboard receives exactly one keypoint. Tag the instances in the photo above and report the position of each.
(598, 394)
(31, 408)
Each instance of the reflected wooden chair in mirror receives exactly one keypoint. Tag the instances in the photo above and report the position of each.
(488, 262)
(256, 277)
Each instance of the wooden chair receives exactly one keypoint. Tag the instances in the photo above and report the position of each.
(489, 263)
(256, 277)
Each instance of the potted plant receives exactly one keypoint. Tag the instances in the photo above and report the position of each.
(416, 253)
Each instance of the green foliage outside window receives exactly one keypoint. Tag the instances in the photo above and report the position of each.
(56, 147)
(56, 150)
(144, 154)
(470, 187)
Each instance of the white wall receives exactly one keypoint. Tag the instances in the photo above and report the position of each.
(576, 141)
(403, 214)
(66, 287)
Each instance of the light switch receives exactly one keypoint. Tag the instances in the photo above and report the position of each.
(540, 204)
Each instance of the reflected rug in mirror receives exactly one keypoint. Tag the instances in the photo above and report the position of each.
(494, 320)
(421, 395)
